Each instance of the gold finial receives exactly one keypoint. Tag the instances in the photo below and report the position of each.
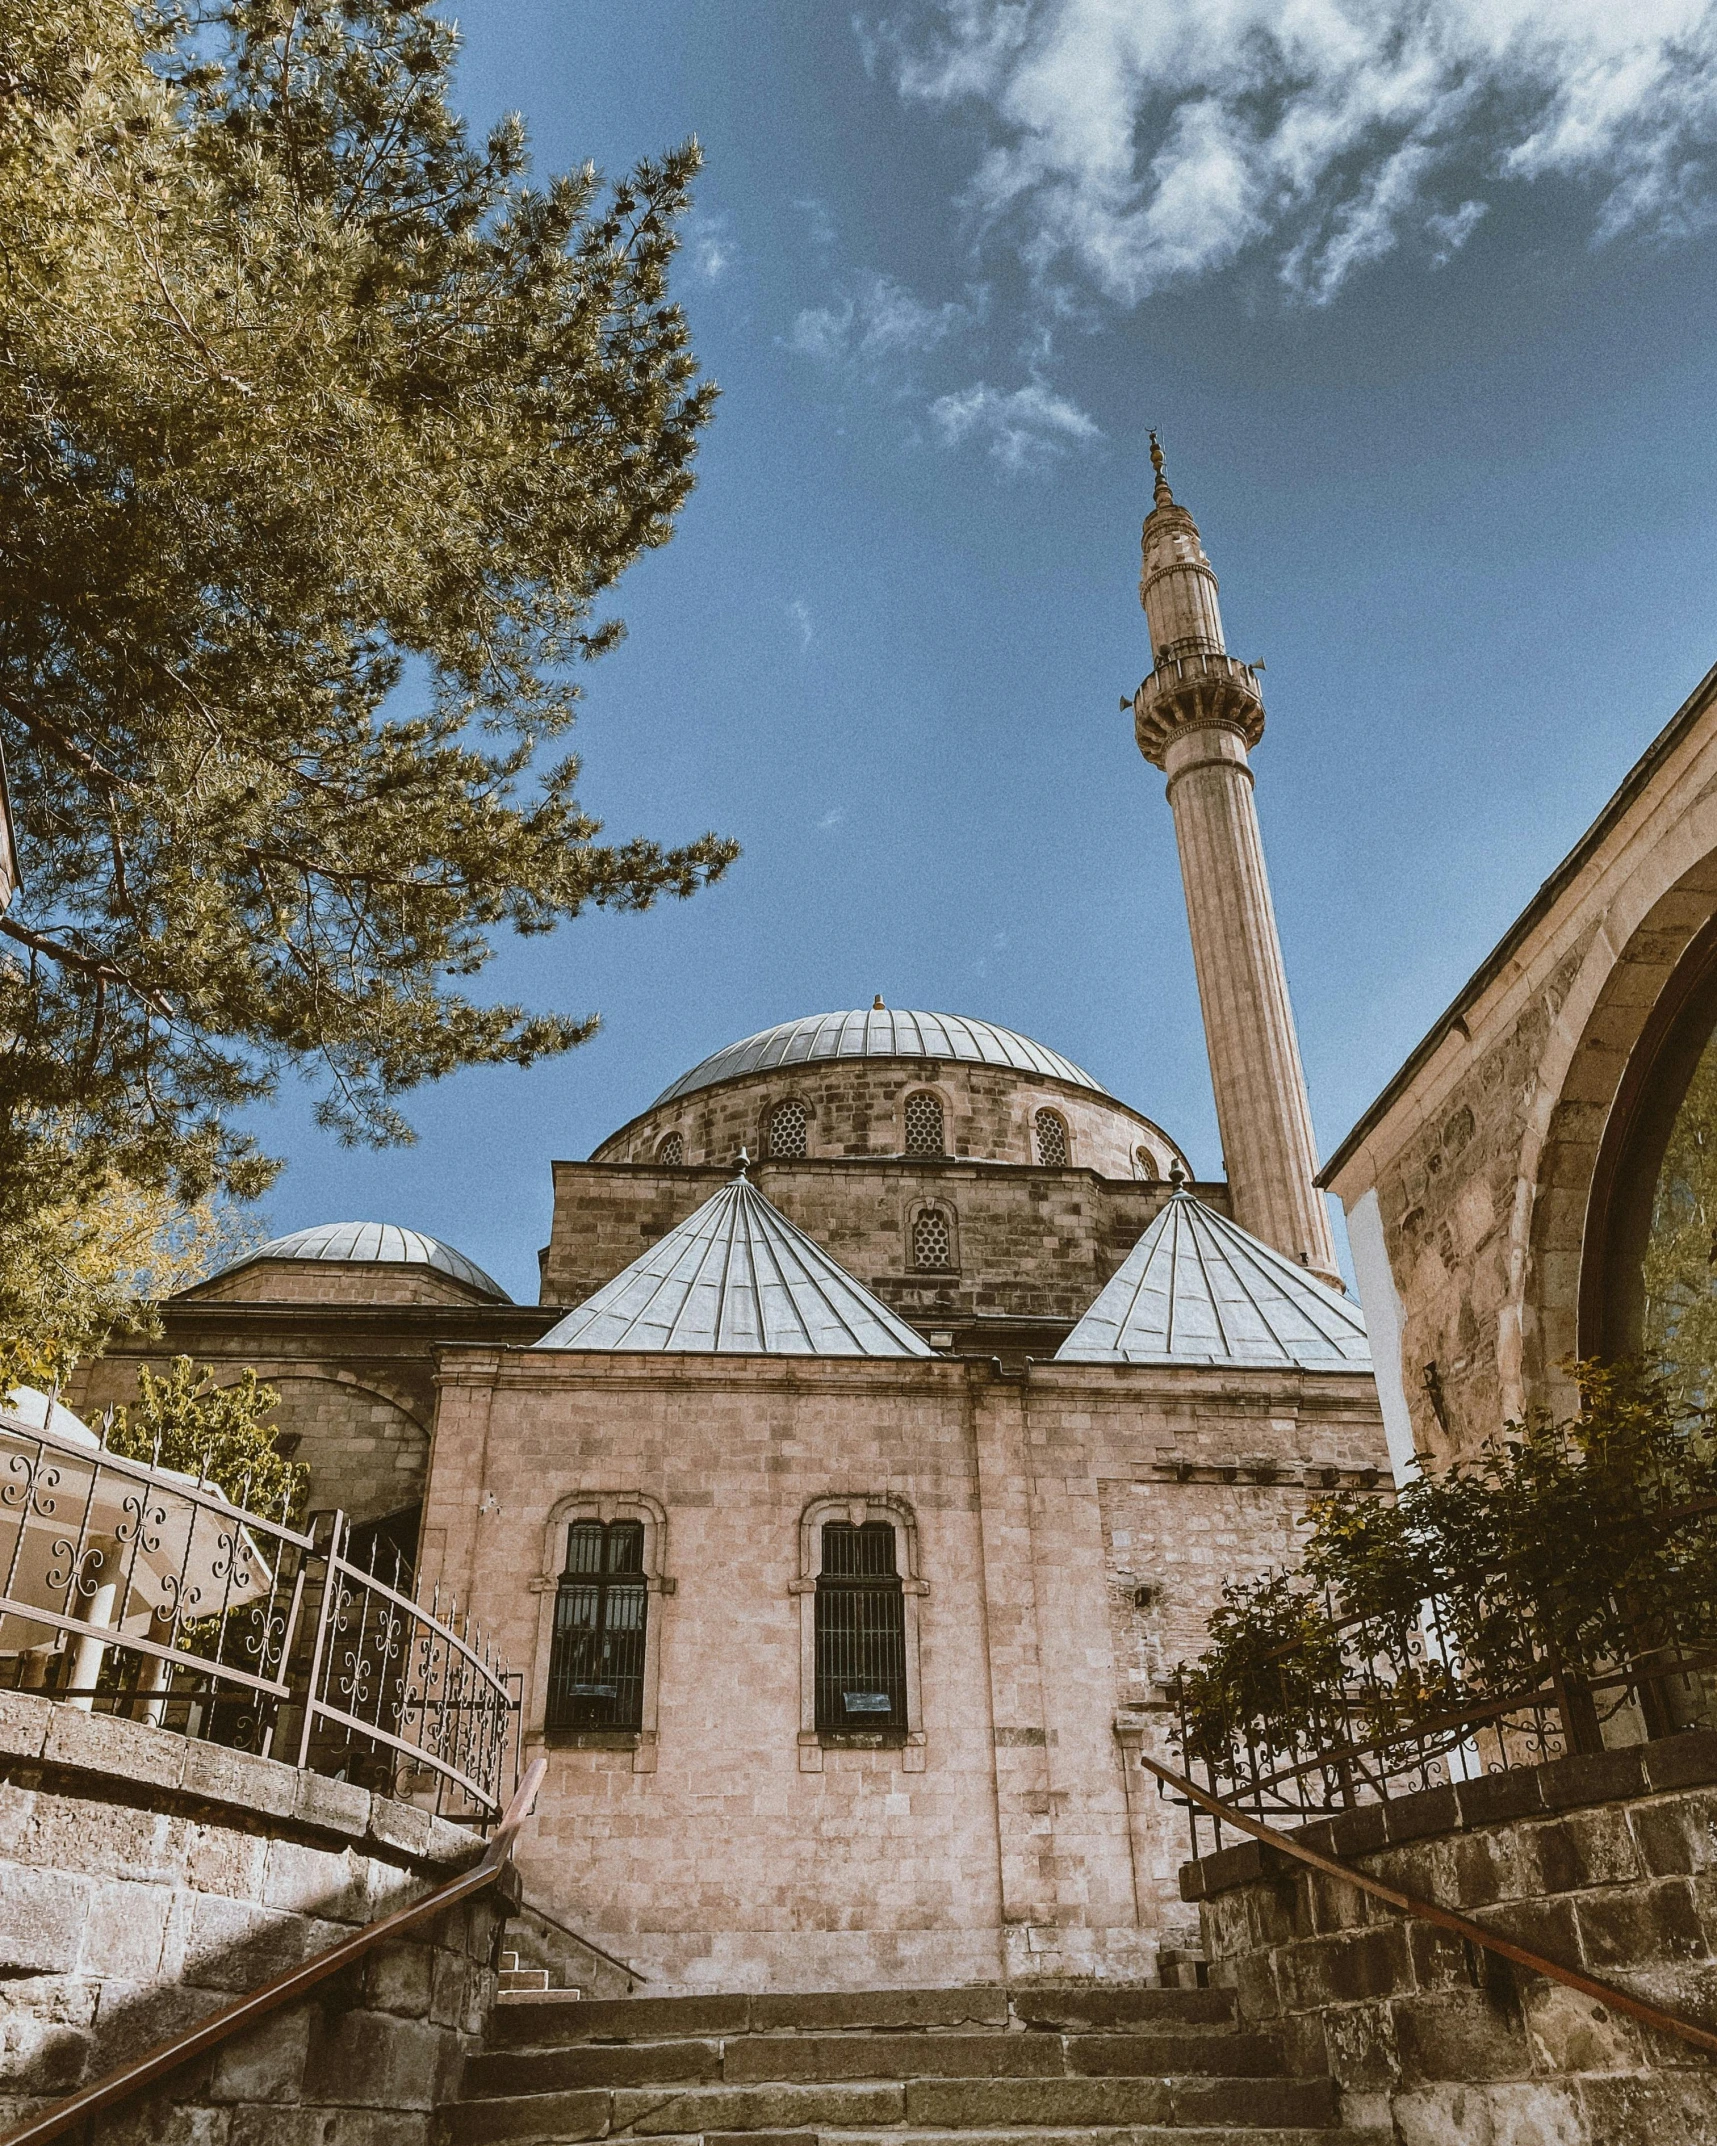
(1164, 497)
(876, 1005)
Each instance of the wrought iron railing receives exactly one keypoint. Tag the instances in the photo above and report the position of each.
(131, 1589)
(1375, 1709)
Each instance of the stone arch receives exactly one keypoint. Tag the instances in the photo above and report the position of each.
(1596, 1036)
(365, 1451)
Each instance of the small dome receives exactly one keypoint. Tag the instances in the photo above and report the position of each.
(880, 1032)
(375, 1244)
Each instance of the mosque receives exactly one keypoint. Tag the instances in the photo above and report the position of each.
(893, 1411)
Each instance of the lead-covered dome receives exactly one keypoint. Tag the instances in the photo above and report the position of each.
(362, 1244)
(879, 1032)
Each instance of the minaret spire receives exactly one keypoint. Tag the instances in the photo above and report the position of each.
(1196, 717)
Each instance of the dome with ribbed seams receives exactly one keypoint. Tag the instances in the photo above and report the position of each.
(374, 1244)
(880, 1032)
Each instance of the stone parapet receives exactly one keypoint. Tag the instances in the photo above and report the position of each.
(146, 1880)
(1606, 1863)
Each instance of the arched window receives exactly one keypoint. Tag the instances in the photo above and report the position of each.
(596, 1660)
(932, 1239)
(924, 1125)
(672, 1152)
(788, 1123)
(1145, 1166)
(861, 1632)
(1051, 1130)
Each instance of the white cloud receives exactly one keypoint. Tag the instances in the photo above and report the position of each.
(832, 818)
(1023, 429)
(872, 323)
(710, 246)
(800, 613)
(1149, 139)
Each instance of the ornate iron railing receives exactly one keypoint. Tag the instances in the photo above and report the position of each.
(1384, 1709)
(132, 1589)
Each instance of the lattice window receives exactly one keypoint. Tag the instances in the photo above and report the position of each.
(596, 1662)
(861, 1632)
(1145, 1166)
(1051, 1129)
(788, 1123)
(672, 1152)
(932, 1239)
(923, 1125)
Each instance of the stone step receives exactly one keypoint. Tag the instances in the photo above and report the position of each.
(758, 2059)
(961, 2105)
(540, 2021)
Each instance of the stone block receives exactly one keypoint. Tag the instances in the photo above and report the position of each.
(267, 2064)
(125, 1929)
(42, 1915)
(39, 2056)
(1358, 2045)
(131, 1751)
(1570, 2032)
(1417, 1817)
(98, 1838)
(398, 1978)
(262, 1786)
(24, 1724)
(981, 2006)
(1676, 1835)
(400, 1827)
(970, 2104)
(1591, 1777)
(1243, 1864)
(1497, 1796)
(315, 1881)
(1624, 2111)
(1360, 1832)
(1642, 1926)
(235, 1945)
(1685, 1761)
(518, 2122)
(1459, 2035)
(253, 2124)
(373, 2060)
(770, 2108)
(1584, 1848)
(333, 1806)
(598, 2064)
(1345, 1969)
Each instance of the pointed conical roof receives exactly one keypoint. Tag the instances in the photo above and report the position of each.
(1197, 1289)
(736, 1279)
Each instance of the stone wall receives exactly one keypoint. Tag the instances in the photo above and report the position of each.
(356, 1381)
(1607, 1864)
(1473, 1172)
(1073, 1526)
(857, 1106)
(146, 1880)
(1029, 1244)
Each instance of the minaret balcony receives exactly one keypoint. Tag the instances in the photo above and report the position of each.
(1192, 691)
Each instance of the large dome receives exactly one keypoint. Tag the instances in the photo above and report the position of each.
(879, 1032)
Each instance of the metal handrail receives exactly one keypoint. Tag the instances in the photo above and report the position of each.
(232, 2019)
(1427, 1911)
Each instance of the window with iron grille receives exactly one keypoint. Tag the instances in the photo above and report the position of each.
(787, 1125)
(932, 1239)
(1051, 1139)
(923, 1125)
(672, 1152)
(861, 1632)
(596, 1663)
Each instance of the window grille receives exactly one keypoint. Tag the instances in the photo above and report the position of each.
(787, 1126)
(861, 1632)
(1147, 1165)
(923, 1125)
(932, 1239)
(1051, 1139)
(596, 1664)
(672, 1152)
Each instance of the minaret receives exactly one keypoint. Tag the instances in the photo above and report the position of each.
(1196, 716)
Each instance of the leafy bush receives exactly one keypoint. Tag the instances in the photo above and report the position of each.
(184, 1420)
(1567, 1549)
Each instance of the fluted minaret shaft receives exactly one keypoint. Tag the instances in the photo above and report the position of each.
(1196, 716)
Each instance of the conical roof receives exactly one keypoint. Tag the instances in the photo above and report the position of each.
(736, 1279)
(1197, 1289)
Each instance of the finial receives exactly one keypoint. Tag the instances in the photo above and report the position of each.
(876, 1005)
(1164, 497)
(1177, 1176)
(744, 1161)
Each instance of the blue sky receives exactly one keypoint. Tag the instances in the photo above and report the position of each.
(1422, 301)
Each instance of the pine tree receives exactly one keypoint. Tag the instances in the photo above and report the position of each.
(322, 434)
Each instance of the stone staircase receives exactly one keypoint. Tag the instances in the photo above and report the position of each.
(968, 2067)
